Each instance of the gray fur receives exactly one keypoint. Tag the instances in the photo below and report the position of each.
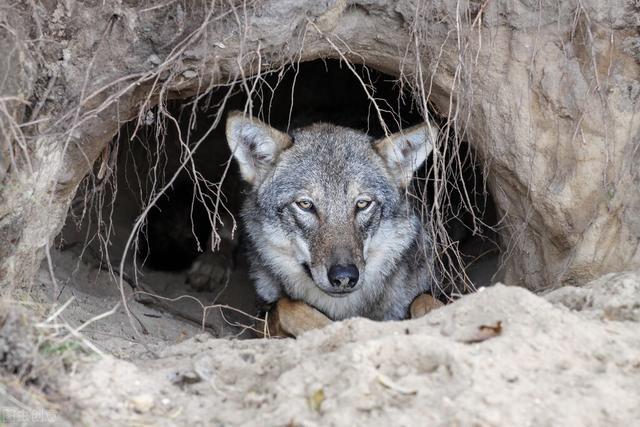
(333, 167)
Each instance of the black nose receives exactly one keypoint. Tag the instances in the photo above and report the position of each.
(343, 276)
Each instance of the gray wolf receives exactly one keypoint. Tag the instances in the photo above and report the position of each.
(328, 221)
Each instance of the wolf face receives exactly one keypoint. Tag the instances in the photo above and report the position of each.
(327, 218)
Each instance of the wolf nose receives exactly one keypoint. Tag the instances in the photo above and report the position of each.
(343, 276)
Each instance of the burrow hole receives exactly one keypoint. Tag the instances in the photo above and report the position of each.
(174, 256)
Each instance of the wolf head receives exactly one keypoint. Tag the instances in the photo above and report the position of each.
(328, 213)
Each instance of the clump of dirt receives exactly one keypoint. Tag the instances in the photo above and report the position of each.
(31, 362)
(18, 348)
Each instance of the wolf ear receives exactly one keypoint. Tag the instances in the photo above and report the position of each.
(406, 151)
(254, 144)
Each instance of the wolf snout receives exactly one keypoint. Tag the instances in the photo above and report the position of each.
(343, 277)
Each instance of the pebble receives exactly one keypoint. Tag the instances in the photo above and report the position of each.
(142, 403)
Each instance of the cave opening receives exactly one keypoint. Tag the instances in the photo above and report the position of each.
(187, 260)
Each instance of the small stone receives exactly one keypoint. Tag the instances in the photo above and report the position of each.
(191, 377)
(154, 59)
(185, 377)
(189, 74)
(142, 403)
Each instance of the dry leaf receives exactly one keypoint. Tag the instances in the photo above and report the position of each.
(316, 399)
(485, 332)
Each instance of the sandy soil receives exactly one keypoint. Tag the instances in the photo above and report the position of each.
(502, 356)
(180, 313)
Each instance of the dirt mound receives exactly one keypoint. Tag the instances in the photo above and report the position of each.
(502, 356)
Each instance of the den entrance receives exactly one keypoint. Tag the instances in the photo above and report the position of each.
(185, 268)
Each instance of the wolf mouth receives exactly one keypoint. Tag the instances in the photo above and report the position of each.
(338, 294)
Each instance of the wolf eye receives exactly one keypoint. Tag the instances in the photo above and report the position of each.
(363, 204)
(304, 204)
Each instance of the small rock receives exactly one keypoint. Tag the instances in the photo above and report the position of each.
(189, 74)
(185, 377)
(142, 403)
(154, 59)
(192, 54)
(191, 377)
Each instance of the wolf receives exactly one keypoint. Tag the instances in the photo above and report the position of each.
(327, 218)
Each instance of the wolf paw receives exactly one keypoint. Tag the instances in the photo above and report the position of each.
(423, 304)
(209, 272)
(290, 318)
